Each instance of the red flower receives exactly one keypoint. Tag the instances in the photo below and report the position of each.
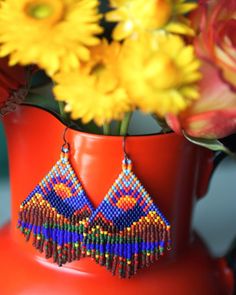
(214, 114)
(216, 41)
(11, 78)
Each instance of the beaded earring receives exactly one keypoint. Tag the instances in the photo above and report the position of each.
(57, 212)
(127, 231)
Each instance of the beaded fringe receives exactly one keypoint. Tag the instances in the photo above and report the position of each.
(125, 233)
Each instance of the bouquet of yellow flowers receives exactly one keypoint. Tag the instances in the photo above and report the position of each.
(107, 59)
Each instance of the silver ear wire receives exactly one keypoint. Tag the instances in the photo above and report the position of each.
(124, 148)
(66, 143)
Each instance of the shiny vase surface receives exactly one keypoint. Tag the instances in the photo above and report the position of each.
(172, 170)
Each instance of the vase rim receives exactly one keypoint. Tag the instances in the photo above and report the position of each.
(97, 136)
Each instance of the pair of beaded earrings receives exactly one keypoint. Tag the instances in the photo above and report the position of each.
(125, 233)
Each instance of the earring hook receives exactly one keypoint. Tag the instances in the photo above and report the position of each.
(66, 143)
(124, 148)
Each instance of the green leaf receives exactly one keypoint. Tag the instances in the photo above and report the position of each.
(42, 96)
(162, 123)
(211, 144)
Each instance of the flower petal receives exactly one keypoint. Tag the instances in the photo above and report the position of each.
(214, 114)
(213, 124)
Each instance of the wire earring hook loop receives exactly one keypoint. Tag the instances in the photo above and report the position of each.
(66, 143)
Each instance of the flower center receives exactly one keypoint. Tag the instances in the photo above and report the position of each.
(98, 69)
(51, 10)
(105, 81)
(40, 11)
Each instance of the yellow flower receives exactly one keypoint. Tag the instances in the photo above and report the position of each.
(54, 34)
(160, 73)
(148, 15)
(94, 92)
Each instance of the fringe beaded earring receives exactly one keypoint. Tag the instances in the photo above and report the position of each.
(57, 212)
(127, 231)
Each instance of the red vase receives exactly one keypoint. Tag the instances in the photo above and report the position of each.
(173, 171)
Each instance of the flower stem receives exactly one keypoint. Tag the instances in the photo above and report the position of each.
(65, 116)
(106, 129)
(61, 106)
(118, 126)
(125, 124)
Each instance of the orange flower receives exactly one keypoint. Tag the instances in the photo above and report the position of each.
(214, 114)
(216, 39)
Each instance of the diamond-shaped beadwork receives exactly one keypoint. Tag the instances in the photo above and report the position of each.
(57, 212)
(127, 231)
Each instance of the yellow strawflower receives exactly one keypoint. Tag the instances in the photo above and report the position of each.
(94, 92)
(159, 72)
(54, 34)
(148, 15)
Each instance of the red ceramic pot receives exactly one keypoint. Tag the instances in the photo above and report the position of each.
(173, 171)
